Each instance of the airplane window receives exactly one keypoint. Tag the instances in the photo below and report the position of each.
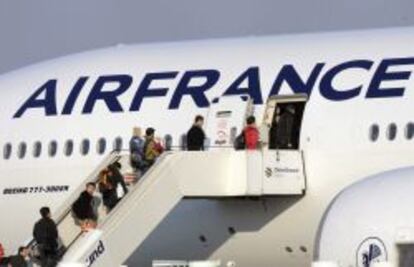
(53, 148)
(118, 144)
(101, 146)
(69, 148)
(183, 142)
(374, 133)
(409, 131)
(85, 146)
(392, 131)
(7, 151)
(22, 150)
(37, 149)
(168, 141)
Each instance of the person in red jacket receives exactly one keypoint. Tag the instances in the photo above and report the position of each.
(251, 133)
(1, 254)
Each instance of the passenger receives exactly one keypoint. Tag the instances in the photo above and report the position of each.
(273, 130)
(108, 190)
(1, 251)
(3, 259)
(159, 147)
(284, 128)
(251, 133)
(4, 262)
(136, 149)
(45, 233)
(83, 208)
(118, 179)
(152, 148)
(22, 259)
(196, 135)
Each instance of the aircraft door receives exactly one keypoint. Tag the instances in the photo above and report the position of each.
(284, 168)
(226, 119)
(283, 121)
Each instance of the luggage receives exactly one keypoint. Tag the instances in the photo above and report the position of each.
(240, 141)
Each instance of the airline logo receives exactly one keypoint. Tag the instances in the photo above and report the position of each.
(388, 78)
(370, 251)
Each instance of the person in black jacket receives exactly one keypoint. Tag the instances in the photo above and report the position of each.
(196, 135)
(83, 207)
(108, 190)
(45, 233)
(21, 259)
(116, 177)
(284, 132)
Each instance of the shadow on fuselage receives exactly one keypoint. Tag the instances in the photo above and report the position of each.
(196, 228)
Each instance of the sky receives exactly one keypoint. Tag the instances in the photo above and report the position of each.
(37, 30)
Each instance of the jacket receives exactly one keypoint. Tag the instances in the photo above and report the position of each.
(251, 136)
(117, 178)
(18, 261)
(45, 233)
(195, 138)
(83, 207)
(151, 151)
(136, 145)
(284, 130)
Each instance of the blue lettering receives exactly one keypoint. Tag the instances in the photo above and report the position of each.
(48, 102)
(329, 92)
(253, 85)
(197, 92)
(382, 74)
(73, 96)
(144, 89)
(109, 97)
(289, 75)
(94, 256)
(194, 85)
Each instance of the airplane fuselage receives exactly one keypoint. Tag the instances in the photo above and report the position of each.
(354, 80)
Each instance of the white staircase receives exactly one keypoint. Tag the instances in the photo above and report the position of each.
(177, 175)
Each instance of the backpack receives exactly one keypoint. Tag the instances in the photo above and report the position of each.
(137, 146)
(137, 152)
(240, 141)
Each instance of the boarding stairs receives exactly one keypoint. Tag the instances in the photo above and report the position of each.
(219, 174)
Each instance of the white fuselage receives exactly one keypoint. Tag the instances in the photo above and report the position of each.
(335, 133)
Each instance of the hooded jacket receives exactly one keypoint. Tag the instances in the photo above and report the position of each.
(195, 138)
(83, 207)
(45, 233)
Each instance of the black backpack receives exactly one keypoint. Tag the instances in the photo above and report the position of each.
(240, 142)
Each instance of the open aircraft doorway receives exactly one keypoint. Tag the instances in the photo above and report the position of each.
(283, 119)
